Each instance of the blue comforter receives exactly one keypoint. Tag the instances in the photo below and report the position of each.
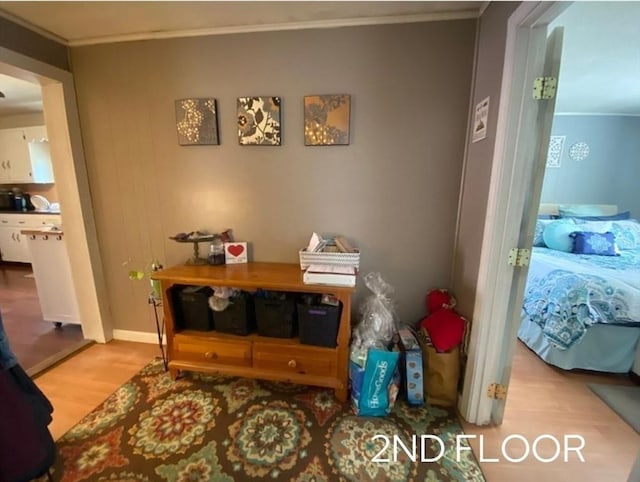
(566, 293)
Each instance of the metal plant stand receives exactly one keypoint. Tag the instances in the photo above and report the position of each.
(156, 303)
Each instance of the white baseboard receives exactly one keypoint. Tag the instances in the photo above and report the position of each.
(138, 336)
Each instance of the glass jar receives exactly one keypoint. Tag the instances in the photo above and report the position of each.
(216, 252)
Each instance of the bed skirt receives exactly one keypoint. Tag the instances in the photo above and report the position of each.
(604, 348)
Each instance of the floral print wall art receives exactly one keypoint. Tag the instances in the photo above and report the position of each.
(326, 119)
(196, 121)
(259, 121)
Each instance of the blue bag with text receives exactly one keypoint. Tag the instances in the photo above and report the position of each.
(378, 391)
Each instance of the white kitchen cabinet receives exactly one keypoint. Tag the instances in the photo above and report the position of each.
(35, 133)
(52, 272)
(25, 156)
(14, 152)
(13, 244)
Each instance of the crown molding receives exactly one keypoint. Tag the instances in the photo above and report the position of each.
(312, 24)
(483, 7)
(34, 28)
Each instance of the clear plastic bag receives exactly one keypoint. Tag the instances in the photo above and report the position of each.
(379, 319)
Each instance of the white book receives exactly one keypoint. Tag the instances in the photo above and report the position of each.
(331, 269)
(344, 276)
(316, 243)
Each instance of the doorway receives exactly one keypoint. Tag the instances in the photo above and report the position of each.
(547, 400)
(41, 333)
(510, 222)
(62, 123)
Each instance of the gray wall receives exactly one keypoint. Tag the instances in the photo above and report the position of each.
(609, 175)
(393, 191)
(475, 186)
(22, 40)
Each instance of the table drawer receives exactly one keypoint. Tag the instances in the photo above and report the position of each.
(237, 353)
(284, 359)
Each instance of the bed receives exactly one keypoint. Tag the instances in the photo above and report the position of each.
(582, 311)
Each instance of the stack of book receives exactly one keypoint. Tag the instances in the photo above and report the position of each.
(319, 274)
(337, 244)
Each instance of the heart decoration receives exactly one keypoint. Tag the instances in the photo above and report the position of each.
(236, 249)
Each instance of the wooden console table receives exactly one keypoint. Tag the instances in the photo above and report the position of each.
(255, 356)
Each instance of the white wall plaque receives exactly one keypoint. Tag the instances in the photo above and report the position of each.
(480, 120)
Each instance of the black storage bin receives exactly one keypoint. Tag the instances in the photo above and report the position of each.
(319, 324)
(238, 318)
(276, 315)
(194, 309)
(174, 293)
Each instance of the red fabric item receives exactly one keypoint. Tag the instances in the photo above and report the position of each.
(445, 328)
(438, 299)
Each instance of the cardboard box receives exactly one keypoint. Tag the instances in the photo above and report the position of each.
(413, 376)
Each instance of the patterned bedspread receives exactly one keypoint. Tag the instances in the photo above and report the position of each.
(566, 293)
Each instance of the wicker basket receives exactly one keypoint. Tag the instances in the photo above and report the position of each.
(331, 259)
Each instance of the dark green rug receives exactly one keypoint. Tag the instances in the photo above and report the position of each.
(212, 428)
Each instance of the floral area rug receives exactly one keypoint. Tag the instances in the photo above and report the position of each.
(209, 428)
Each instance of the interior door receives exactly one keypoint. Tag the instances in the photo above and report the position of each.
(535, 145)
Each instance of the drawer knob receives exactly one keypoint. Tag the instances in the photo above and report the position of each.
(211, 355)
(292, 363)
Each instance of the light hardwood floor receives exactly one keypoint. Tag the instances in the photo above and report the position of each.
(546, 400)
(541, 400)
(79, 384)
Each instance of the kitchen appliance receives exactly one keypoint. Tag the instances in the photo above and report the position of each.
(21, 200)
(6, 200)
(18, 199)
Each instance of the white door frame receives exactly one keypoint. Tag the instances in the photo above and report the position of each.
(72, 182)
(507, 193)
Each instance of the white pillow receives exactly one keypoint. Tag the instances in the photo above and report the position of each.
(568, 210)
(557, 235)
(593, 226)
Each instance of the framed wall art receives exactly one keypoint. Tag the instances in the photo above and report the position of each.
(579, 151)
(235, 253)
(197, 122)
(259, 121)
(326, 119)
(554, 153)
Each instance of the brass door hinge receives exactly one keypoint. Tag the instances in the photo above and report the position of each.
(519, 257)
(544, 87)
(497, 391)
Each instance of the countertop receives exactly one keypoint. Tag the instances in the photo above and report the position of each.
(31, 212)
(45, 231)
